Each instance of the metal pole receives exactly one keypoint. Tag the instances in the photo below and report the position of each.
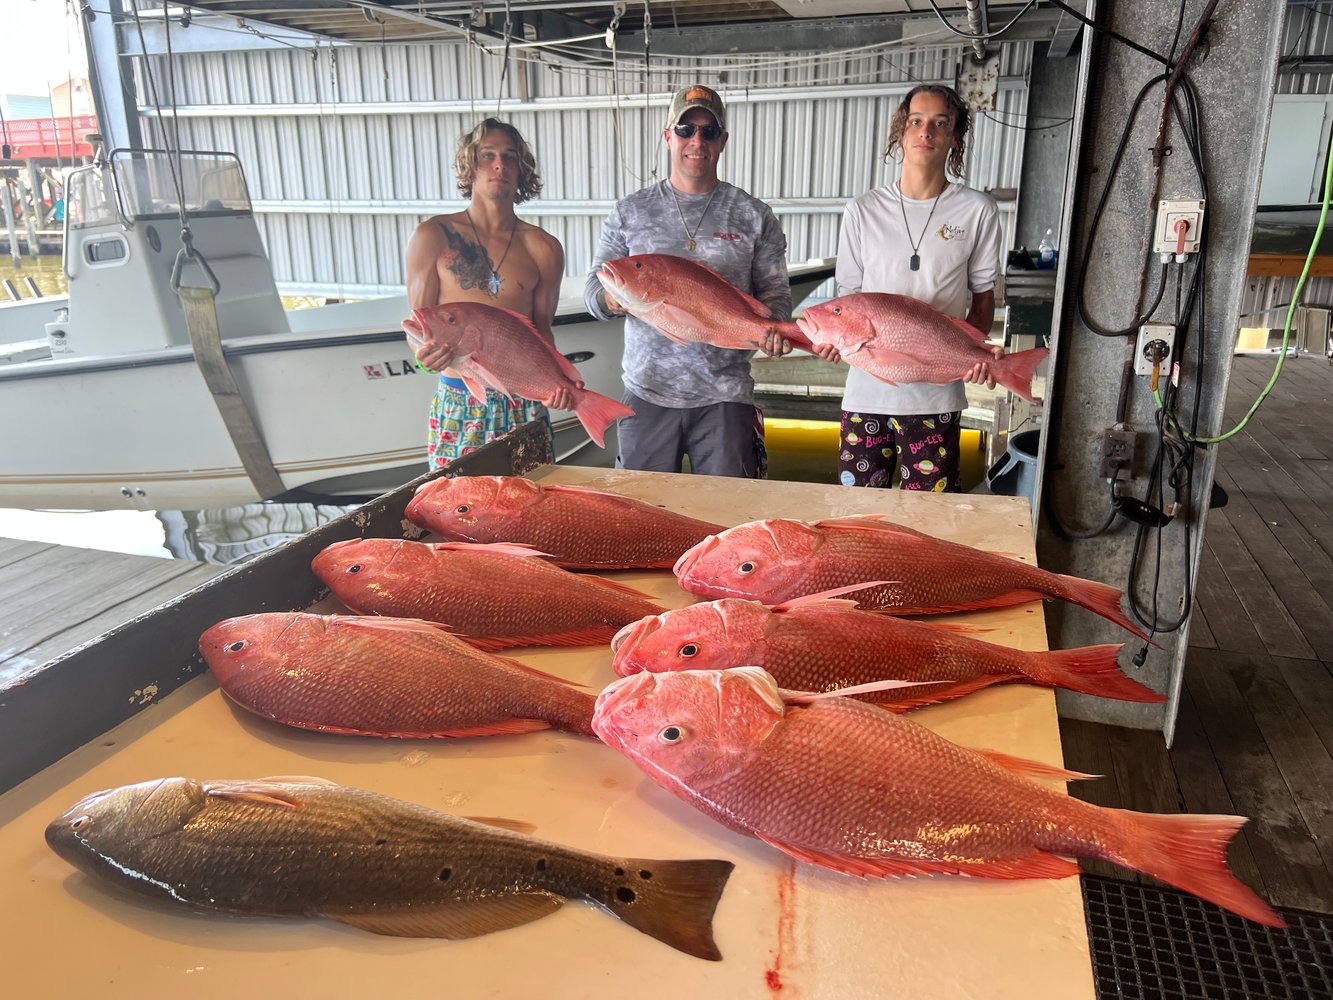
(28, 202)
(10, 226)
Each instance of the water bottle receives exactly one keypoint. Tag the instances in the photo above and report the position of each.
(1046, 252)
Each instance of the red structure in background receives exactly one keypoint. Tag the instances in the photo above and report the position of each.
(49, 138)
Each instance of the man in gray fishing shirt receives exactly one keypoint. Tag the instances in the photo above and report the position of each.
(693, 399)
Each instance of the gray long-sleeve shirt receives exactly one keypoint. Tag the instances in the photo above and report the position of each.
(741, 239)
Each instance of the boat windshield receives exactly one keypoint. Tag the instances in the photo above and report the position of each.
(211, 183)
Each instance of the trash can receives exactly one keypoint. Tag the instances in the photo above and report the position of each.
(1015, 473)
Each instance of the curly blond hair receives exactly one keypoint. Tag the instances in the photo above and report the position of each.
(962, 123)
(465, 160)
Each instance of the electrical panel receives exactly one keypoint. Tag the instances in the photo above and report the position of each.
(1179, 228)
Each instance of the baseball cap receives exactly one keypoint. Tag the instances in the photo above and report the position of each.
(696, 96)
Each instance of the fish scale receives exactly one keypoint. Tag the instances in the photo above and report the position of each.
(842, 784)
(304, 847)
(822, 645)
(478, 591)
(579, 528)
(776, 560)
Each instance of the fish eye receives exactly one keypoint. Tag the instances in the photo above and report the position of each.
(746, 567)
(672, 734)
(354, 568)
(452, 318)
(81, 821)
(689, 649)
(638, 265)
(236, 647)
(837, 310)
(462, 508)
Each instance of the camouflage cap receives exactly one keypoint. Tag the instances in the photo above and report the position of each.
(697, 96)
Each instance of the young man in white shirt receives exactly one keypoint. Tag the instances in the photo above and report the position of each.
(937, 241)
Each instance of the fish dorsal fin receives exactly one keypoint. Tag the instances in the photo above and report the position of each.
(491, 548)
(621, 588)
(456, 918)
(505, 823)
(563, 363)
(256, 792)
(973, 334)
(1030, 768)
(825, 597)
(372, 623)
(298, 779)
(755, 306)
(870, 522)
(807, 697)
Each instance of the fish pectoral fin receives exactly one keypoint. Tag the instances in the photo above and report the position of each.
(903, 700)
(257, 792)
(505, 823)
(593, 635)
(1031, 768)
(463, 918)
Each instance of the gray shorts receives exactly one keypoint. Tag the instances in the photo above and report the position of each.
(719, 438)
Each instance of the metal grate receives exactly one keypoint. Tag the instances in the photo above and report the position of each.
(1159, 944)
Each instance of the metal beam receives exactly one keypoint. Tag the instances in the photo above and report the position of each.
(110, 76)
(1244, 47)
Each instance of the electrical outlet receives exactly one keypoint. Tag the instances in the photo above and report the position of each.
(1154, 338)
(1118, 454)
(1166, 240)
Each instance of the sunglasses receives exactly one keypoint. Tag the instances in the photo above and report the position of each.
(710, 133)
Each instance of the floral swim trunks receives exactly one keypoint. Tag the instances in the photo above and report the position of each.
(460, 423)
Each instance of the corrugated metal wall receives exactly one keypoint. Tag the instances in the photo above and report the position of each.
(1309, 33)
(347, 148)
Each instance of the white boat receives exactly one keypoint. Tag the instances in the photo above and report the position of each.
(108, 400)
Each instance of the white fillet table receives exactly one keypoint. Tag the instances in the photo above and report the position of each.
(784, 929)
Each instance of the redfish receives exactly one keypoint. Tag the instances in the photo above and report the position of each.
(690, 303)
(501, 349)
(814, 644)
(495, 596)
(841, 784)
(579, 528)
(897, 339)
(383, 677)
(776, 560)
(303, 847)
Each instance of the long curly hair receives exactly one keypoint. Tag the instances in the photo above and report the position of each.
(962, 124)
(465, 160)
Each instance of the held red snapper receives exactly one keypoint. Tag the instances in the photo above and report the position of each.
(501, 349)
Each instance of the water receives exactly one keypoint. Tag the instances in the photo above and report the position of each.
(45, 270)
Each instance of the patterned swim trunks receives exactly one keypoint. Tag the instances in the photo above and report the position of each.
(923, 450)
(459, 423)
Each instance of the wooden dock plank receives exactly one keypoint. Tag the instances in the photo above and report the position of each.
(1230, 622)
(1203, 790)
(1087, 748)
(1291, 866)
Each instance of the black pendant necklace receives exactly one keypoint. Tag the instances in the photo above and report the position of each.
(914, 262)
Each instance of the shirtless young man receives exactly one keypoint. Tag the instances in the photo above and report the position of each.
(484, 254)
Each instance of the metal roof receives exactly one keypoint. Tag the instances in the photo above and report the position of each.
(405, 20)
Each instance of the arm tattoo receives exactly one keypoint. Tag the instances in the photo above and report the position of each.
(471, 263)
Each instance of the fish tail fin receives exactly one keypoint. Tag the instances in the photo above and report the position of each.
(1089, 670)
(676, 906)
(1099, 598)
(597, 412)
(1190, 853)
(1015, 371)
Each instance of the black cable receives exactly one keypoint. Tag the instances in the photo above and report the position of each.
(1109, 33)
(1025, 128)
(1091, 239)
(985, 35)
